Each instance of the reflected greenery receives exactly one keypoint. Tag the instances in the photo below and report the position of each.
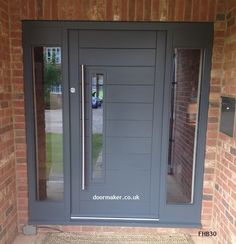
(97, 146)
(52, 77)
(54, 153)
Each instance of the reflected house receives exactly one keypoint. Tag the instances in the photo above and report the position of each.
(97, 90)
(53, 55)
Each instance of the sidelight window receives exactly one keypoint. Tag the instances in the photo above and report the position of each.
(183, 125)
(48, 123)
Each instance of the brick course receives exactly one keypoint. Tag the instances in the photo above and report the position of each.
(8, 209)
(220, 161)
(224, 205)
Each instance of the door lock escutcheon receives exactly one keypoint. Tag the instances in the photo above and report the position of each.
(72, 90)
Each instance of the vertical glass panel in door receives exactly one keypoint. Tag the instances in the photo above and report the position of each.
(97, 126)
(48, 123)
(183, 126)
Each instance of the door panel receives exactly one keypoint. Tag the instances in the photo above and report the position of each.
(129, 128)
(129, 209)
(117, 39)
(141, 161)
(119, 57)
(128, 145)
(119, 131)
(129, 94)
(130, 75)
(129, 111)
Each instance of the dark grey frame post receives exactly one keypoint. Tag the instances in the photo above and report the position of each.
(187, 214)
(44, 211)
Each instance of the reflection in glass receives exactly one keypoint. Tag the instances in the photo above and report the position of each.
(48, 122)
(97, 125)
(183, 126)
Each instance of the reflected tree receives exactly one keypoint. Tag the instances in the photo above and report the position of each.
(52, 77)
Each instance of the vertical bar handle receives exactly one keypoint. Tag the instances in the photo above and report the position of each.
(83, 125)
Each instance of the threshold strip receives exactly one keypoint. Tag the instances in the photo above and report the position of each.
(114, 218)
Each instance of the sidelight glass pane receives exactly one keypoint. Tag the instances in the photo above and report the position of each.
(97, 126)
(48, 122)
(183, 125)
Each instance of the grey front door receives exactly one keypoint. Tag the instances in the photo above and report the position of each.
(116, 100)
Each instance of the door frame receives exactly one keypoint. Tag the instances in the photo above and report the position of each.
(185, 35)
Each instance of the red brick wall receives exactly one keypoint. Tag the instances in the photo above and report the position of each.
(185, 115)
(8, 208)
(127, 10)
(224, 209)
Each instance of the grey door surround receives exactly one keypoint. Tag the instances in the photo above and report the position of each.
(66, 35)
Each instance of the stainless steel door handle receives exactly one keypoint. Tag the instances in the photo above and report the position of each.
(83, 125)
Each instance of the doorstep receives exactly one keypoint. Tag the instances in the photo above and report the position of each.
(40, 239)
